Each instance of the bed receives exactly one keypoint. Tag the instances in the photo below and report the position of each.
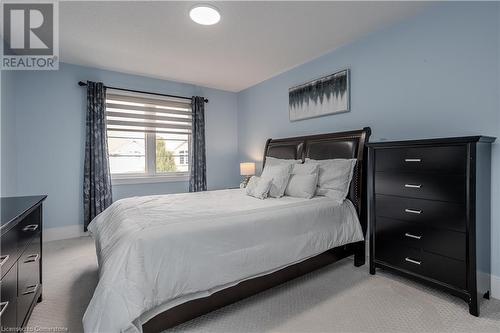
(166, 259)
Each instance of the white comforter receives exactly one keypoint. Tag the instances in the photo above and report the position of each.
(156, 252)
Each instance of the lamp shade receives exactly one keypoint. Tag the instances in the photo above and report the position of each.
(247, 169)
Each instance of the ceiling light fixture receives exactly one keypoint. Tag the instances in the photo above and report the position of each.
(204, 14)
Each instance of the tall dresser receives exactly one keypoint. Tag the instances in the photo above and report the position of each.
(429, 212)
(20, 259)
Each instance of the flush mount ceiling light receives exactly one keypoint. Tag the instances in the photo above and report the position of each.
(204, 14)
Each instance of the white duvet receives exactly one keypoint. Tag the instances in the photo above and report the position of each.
(156, 252)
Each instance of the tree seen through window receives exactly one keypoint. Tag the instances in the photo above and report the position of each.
(165, 161)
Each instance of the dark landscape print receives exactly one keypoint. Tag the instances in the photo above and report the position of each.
(324, 96)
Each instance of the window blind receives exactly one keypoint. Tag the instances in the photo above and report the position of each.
(147, 114)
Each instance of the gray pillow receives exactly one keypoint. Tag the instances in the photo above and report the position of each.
(280, 161)
(334, 177)
(302, 186)
(279, 175)
(258, 187)
(305, 169)
(303, 181)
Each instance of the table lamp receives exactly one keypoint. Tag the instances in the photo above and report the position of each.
(247, 170)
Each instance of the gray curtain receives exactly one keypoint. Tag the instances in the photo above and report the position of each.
(97, 194)
(198, 164)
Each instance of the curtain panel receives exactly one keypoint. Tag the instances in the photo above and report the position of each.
(97, 193)
(198, 164)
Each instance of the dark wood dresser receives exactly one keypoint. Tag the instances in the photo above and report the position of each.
(20, 259)
(429, 212)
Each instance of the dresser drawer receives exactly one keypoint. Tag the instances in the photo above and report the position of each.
(437, 214)
(423, 263)
(8, 251)
(444, 159)
(8, 299)
(424, 186)
(28, 278)
(438, 241)
(29, 228)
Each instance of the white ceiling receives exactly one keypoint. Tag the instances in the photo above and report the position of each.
(253, 42)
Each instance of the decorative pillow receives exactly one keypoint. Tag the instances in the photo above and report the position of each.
(258, 187)
(271, 161)
(302, 185)
(334, 177)
(279, 175)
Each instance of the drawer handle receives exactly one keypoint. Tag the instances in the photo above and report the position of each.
(4, 306)
(31, 289)
(30, 227)
(416, 262)
(32, 258)
(412, 236)
(3, 259)
(413, 185)
(413, 160)
(413, 211)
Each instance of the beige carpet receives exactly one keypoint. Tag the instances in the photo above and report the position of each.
(339, 298)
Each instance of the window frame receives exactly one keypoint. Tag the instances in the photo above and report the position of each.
(150, 175)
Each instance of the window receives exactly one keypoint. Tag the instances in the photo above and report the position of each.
(148, 135)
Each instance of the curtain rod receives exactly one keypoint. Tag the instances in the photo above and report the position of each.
(82, 84)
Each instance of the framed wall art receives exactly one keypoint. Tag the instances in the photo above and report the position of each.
(324, 96)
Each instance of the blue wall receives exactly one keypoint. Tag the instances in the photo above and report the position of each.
(8, 175)
(434, 75)
(49, 137)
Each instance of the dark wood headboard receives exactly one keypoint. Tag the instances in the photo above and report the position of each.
(351, 144)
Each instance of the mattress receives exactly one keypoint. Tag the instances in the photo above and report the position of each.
(156, 252)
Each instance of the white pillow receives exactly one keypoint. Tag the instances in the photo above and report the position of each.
(305, 169)
(334, 177)
(280, 161)
(279, 175)
(302, 185)
(258, 187)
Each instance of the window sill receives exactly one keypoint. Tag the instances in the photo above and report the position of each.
(148, 179)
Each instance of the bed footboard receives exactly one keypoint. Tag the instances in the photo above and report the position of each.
(201, 306)
(359, 253)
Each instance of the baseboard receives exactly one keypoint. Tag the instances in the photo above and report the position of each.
(495, 286)
(70, 231)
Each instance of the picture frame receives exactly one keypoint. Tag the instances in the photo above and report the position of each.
(324, 96)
